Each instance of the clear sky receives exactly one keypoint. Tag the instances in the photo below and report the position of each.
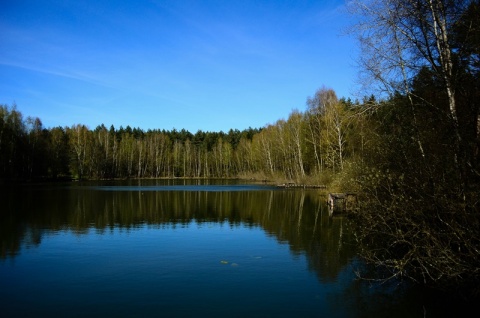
(195, 65)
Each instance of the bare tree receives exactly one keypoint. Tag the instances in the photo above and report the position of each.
(422, 224)
(398, 38)
(323, 99)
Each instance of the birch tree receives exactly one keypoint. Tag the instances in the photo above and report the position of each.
(422, 221)
(262, 144)
(79, 143)
(296, 124)
(324, 98)
(400, 37)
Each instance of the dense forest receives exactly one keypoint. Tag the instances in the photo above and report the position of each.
(306, 144)
(412, 151)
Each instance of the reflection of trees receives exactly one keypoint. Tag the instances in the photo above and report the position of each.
(301, 219)
(25, 214)
(296, 217)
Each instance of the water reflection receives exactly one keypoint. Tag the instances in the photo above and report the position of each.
(297, 218)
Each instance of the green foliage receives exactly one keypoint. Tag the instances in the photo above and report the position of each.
(28, 151)
(307, 147)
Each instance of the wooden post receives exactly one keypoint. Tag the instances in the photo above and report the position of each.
(341, 202)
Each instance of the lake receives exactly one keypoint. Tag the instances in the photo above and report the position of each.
(183, 248)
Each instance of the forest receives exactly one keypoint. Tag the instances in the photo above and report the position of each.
(411, 151)
(305, 145)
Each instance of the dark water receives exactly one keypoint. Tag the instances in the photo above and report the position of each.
(187, 248)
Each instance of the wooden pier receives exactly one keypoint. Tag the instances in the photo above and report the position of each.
(304, 186)
(341, 202)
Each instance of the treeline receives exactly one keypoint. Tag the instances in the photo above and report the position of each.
(29, 151)
(306, 144)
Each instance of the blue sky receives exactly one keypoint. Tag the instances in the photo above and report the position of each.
(194, 65)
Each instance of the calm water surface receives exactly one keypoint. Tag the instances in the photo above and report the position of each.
(183, 248)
